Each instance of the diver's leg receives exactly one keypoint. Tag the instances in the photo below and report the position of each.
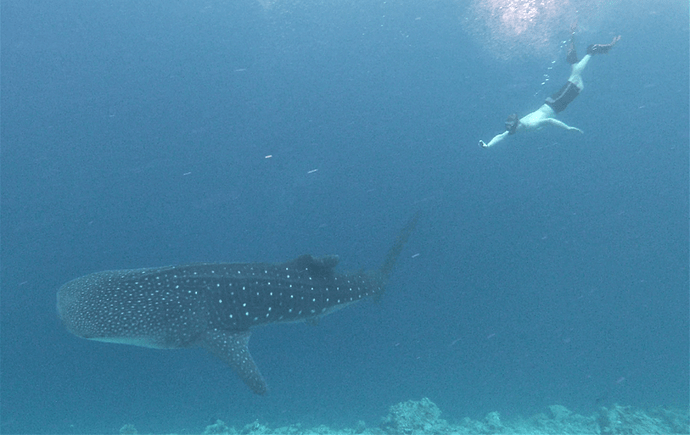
(571, 57)
(602, 48)
(576, 71)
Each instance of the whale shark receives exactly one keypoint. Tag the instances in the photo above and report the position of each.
(215, 305)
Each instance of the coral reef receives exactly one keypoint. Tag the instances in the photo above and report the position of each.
(424, 417)
(411, 418)
(624, 420)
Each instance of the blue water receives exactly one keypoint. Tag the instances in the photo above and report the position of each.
(551, 269)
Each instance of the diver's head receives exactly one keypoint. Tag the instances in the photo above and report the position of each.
(512, 123)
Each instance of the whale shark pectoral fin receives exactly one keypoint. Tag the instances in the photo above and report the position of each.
(232, 348)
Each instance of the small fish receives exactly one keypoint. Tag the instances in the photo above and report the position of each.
(214, 305)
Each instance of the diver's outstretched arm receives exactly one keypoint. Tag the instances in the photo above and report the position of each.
(495, 140)
(561, 124)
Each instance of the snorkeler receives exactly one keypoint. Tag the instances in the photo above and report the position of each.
(546, 114)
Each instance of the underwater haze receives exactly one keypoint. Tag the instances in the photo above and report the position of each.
(550, 269)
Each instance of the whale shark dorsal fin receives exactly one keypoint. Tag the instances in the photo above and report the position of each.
(318, 265)
(232, 348)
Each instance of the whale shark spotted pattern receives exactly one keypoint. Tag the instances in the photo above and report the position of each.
(214, 305)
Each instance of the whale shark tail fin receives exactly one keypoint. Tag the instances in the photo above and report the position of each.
(396, 249)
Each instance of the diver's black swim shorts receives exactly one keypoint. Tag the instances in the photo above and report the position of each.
(560, 100)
